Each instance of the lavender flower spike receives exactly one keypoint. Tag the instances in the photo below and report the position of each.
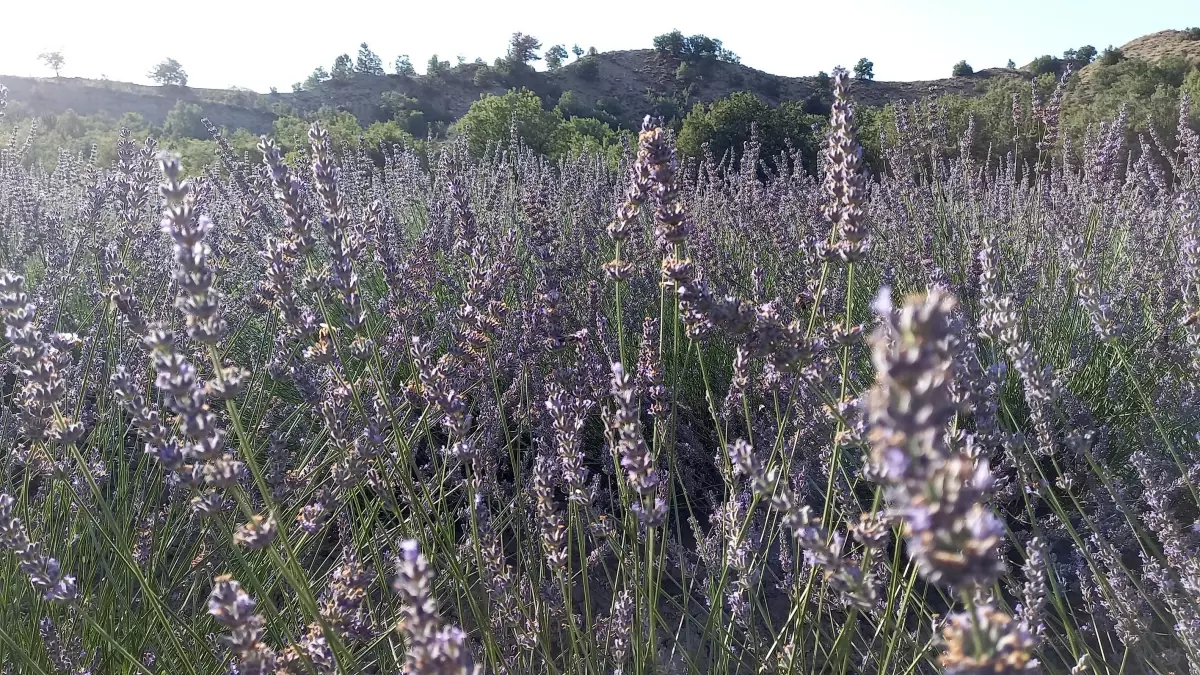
(938, 491)
(432, 648)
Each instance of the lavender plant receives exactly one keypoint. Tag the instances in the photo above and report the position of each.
(340, 413)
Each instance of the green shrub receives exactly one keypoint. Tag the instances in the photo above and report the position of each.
(725, 126)
(962, 69)
(488, 123)
(1045, 64)
(1111, 56)
(588, 69)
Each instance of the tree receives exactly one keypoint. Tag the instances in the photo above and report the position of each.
(670, 44)
(555, 57)
(569, 106)
(185, 120)
(404, 66)
(69, 124)
(726, 126)
(1086, 53)
(1045, 64)
(488, 121)
(1011, 65)
(342, 68)
(1111, 56)
(577, 51)
(962, 69)
(168, 73)
(319, 75)
(824, 82)
(592, 51)
(523, 48)
(53, 60)
(436, 67)
(864, 70)
(368, 62)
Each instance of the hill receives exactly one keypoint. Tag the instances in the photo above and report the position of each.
(619, 85)
(1165, 44)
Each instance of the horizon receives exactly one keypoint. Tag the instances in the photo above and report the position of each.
(273, 54)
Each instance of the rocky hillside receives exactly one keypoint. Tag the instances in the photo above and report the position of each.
(623, 85)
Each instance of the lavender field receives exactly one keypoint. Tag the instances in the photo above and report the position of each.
(356, 412)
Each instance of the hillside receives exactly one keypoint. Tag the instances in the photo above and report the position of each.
(1163, 45)
(623, 85)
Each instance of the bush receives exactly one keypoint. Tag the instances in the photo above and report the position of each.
(725, 127)
(1192, 33)
(1111, 56)
(1045, 64)
(962, 69)
(484, 77)
(588, 68)
(489, 120)
(435, 67)
(824, 83)
(184, 121)
(816, 104)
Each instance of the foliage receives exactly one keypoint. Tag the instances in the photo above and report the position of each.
(319, 75)
(1111, 56)
(404, 66)
(725, 126)
(342, 70)
(436, 67)
(405, 110)
(1011, 65)
(184, 121)
(697, 49)
(368, 62)
(864, 69)
(569, 105)
(1086, 54)
(1046, 64)
(588, 68)
(169, 73)
(1192, 33)
(485, 77)
(672, 44)
(577, 51)
(53, 60)
(489, 121)
(555, 56)
(962, 69)
(522, 49)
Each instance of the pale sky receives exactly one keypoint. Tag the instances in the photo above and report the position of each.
(255, 44)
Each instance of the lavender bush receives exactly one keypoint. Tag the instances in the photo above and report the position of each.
(332, 416)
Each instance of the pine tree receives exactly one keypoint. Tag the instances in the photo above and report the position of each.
(368, 61)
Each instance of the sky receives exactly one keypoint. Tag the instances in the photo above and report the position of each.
(259, 45)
